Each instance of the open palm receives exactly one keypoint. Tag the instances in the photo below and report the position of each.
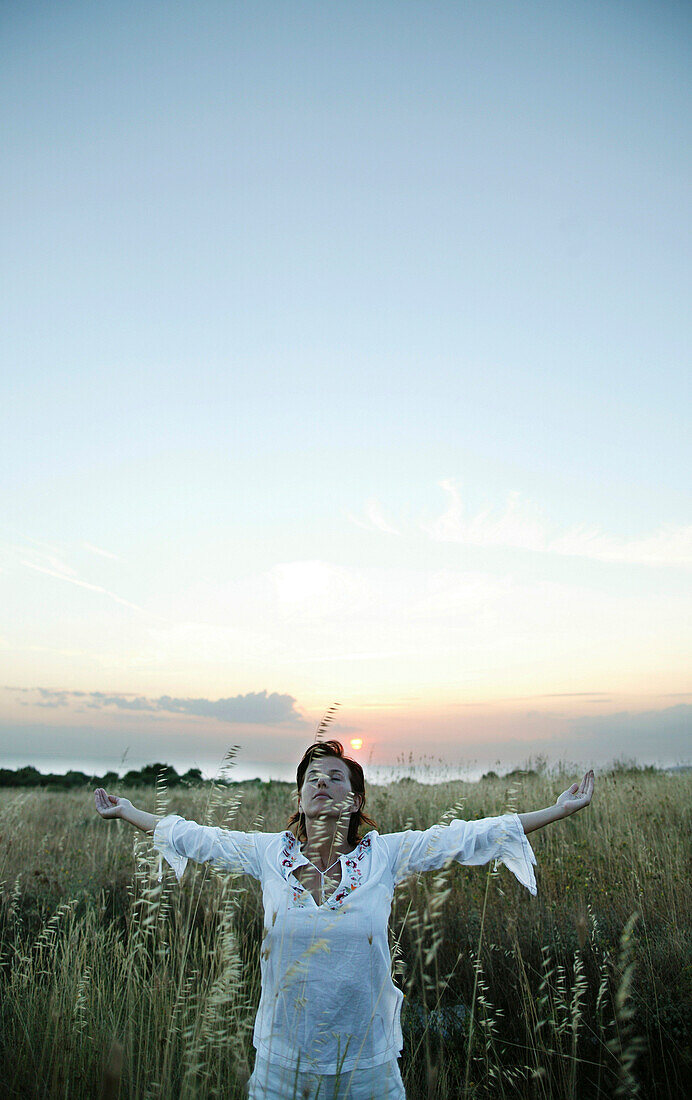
(109, 805)
(578, 795)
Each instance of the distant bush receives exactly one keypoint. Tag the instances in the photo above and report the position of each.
(146, 777)
(629, 766)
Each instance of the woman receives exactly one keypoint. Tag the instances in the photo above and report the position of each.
(329, 1013)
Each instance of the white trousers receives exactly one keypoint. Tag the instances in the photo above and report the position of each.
(270, 1081)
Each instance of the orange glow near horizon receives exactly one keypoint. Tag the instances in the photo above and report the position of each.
(356, 742)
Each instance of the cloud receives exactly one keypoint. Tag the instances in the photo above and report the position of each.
(654, 736)
(48, 699)
(348, 657)
(375, 519)
(81, 584)
(671, 724)
(659, 736)
(98, 550)
(522, 526)
(46, 559)
(46, 555)
(317, 591)
(571, 694)
(650, 735)
(669, 546)
(254, 708)
(519, 526)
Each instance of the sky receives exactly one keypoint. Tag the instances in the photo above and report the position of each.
(345, 360)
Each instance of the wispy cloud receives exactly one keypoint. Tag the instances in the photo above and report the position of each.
(521, 525)
(81, 584)
(254, 708)
(571, 694)
(374, 519)
(48, 558)
(99, 550)
(349, 657)
(42, 557)
(669, 546)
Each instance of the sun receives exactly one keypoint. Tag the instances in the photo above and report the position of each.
(356, 742)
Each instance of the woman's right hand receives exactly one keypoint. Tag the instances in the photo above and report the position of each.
(109, 805)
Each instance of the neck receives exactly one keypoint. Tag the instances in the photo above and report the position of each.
(327, 839)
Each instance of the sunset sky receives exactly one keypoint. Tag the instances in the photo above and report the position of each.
(345, 358)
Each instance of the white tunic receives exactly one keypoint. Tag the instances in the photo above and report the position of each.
(328, 1000)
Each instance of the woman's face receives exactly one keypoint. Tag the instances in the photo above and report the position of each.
(327, 789)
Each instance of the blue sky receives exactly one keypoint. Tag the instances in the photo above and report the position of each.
(345, 353)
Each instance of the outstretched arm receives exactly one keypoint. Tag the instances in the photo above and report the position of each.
(574, 798)
(110, 805)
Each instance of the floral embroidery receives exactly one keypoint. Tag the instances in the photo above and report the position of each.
(288, 860)
(352, 872)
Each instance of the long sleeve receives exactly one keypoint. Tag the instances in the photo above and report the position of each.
(468, 842)
(178, 840)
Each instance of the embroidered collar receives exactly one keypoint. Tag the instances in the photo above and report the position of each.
(351, 871)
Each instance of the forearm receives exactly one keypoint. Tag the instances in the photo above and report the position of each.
(536, 819)
(140, 818)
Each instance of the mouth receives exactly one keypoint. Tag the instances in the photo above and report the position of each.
(321, 796)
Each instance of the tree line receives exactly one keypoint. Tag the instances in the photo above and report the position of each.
(146, 777)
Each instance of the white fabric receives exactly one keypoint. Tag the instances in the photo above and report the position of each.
(328, 1000)
(270, 1081)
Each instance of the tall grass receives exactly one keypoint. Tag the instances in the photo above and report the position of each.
(115, 985)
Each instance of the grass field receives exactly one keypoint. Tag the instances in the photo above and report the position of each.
(113, 985)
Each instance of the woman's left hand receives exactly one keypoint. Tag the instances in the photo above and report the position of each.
(578, 795)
